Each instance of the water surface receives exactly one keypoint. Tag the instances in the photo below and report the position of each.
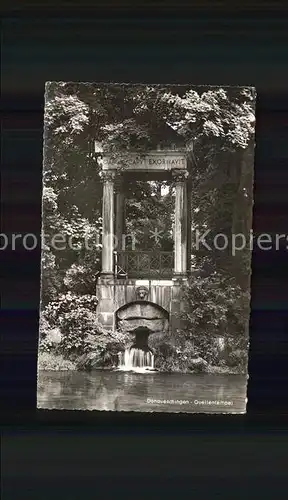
(145, 392)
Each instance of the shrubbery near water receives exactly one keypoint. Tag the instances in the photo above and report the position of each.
(71, 338)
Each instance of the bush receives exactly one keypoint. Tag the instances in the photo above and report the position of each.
(49, 361)
(217, 307)
(237, 358)
(103, 348)
(83, 340)
(46, 344)
(75, 317)
(49, 337)
(67, 303)
(175, 354)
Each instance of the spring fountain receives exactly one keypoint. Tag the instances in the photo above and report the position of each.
(138, 357)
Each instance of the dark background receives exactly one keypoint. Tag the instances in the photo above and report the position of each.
(57, 454)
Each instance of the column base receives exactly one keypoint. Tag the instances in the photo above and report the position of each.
(105, 293)
(177, 303)
(180, 277)
(104, 274)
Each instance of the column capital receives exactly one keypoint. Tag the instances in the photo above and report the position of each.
(108, 175)
(180, 175)
(118, 183)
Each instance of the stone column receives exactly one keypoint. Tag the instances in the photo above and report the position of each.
(108, 223)
(189, 222)
(180, 247)
(180, 223)
(105, 282)
(119, 218)
(119, 211)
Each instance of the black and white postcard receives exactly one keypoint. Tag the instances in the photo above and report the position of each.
(146, 247)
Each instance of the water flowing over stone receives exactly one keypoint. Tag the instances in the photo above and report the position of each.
(136, 359)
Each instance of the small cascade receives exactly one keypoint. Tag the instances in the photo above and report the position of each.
(137, 360)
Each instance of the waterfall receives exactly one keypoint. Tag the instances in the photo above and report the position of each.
(136, 359)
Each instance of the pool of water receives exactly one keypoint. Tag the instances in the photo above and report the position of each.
(145, 392)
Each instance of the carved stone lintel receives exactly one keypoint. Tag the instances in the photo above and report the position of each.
(180, 175)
